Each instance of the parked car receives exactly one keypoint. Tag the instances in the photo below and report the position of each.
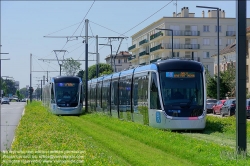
(228, 107)
(217, 106)
(24, 100)
(5, 100)
(210, 104)
(248, 108)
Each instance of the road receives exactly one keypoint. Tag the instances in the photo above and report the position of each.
(10, 116)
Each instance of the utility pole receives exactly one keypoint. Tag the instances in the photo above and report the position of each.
(86, 65)
(86, 55)
(97, 58)
(241, 122)
(30, 78)
(60, 64)
(1, 72)
(41, 87)
(117, 53)
(47, 74)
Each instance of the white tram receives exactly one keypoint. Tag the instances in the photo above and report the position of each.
(168, 94)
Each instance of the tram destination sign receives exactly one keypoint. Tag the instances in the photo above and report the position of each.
(67, 84)
(180, 74)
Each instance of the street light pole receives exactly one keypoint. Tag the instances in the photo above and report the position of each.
(218, 49)
(172, 32)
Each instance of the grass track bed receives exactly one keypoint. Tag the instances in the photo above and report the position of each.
(110, 141)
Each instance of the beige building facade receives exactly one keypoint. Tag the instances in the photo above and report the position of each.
(227, 57)
(120, 61)
(193, 37)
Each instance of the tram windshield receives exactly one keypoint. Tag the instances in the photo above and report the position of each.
(67, 94)
(184, 88)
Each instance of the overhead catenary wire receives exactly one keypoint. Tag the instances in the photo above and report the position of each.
(147, 17)
(79, 24)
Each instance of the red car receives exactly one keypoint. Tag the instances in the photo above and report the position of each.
(217, 107)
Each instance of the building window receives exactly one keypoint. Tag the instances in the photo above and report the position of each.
(230, 41)
(207, 67)
(175, 54)
(206, 42)
(125, 60)
(217, 28)
(119, 61)
(205, 28)
(216, 41)
(206, 54)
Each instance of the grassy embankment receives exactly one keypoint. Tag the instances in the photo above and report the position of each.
(96, 139)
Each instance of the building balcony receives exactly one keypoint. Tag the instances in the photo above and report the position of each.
(181, 46)
(183, 33)
(155, 48)
(230, 33)
(144, 63)
(131, 57)
(143, 42)
(154, 60)
(196, 59)
(132, 47)
(143, 53)
(156, 35)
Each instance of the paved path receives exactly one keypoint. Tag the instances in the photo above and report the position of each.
(10, 116)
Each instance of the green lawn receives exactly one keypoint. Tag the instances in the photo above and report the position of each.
(97, 139)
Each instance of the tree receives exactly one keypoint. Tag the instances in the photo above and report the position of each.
(3, 85)
(9, 87)
(104, 69)
(228, 78)
(227, 83)
(80, 74)
(24, 92)
(71, 66)
(19, 96)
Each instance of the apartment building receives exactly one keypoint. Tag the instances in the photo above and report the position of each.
(193, 37)
(227, 57)
(120, 61)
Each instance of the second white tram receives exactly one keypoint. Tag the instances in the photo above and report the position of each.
(64, 95)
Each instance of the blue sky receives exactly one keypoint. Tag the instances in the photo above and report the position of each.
(25, 23)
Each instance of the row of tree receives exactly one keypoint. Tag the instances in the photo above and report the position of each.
(8, 87)
(227, 83)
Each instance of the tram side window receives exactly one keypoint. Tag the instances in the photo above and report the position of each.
(114, 90)
(124, 91)
(99, 91)
(154, 95)
(142, 88)
(52, 94)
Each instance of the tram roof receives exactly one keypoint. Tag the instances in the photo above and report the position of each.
(151, 66)
(127, 72)
(66, 78)
(177, 64)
